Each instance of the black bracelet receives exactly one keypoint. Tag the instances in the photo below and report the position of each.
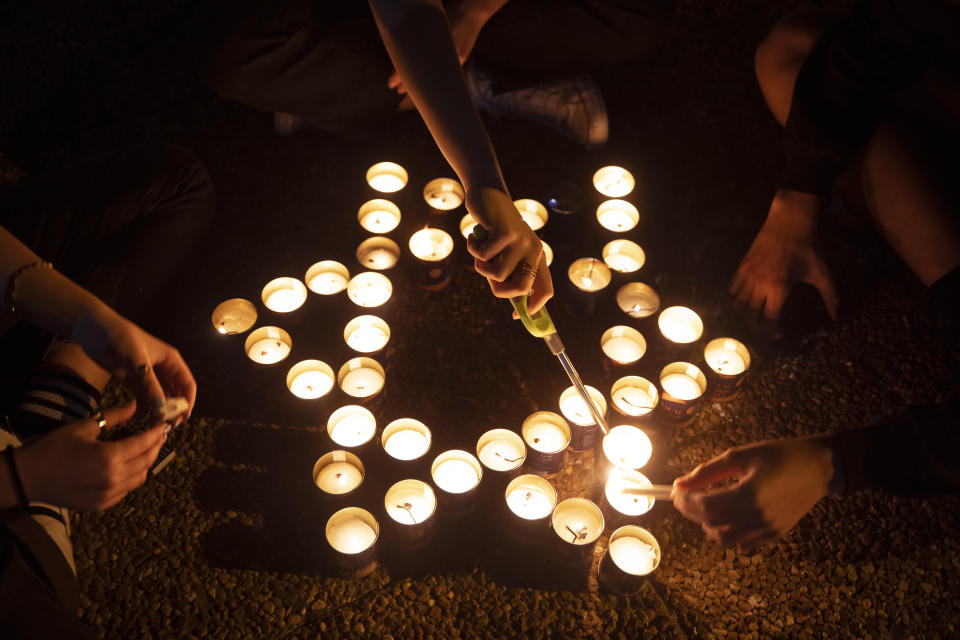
(15, 476)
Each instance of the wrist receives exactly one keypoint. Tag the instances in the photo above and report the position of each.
(794, 211)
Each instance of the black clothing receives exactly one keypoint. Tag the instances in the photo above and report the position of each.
(852, 74)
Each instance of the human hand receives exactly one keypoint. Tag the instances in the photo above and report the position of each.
(777, 483)
(151, 368)
(466, 18)
(509, 242)
(70, 467)
(784, 253)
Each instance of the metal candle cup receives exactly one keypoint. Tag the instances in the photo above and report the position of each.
(584, 432)
(623, 256)
(638, 300)
(501, 452)
(310, 379)
(620, 503)
(621, 346)
(634, 397)
(351, 426)
(632, 553)
(268, 345)
(617, 216)
(387, 177)
(411, 505)
(338, 474)
(363, 379)
(235, 315)
(577, 523)
(369, 289)
(531, 500)
(367, 334)
(625, 447)
(443, 194)
(432, 250)
(588, 277)
(547, 253)
(457, 474)
(352, 537)
(680, 325)
(547, 436)
(378, 253)
(728, 361)
(683, 386)
(532, 212)
(327, 277)
(378, 216)
(284, 295)
(405, 443)
(613, 182)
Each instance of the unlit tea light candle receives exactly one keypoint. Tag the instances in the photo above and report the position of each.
(351, 426)
(443, 194)
(338, 472)
(623, 344)
(501, 450)
(456, 471)
(577, 521)
(531, 497)
(284, 294)
(361, 377)
(268, 345)
(369, 289)
(410, 502)
(589, 274)
(623, 256)
(634, 396)
(617, 215)
(379, 216)
(378, 253)
(638, 300)
(327, 277)
(406, 439)
(613, 182)
(310, 379)
(387, 177)
(234, 316)
(680, 325)
(532, 212)
(366, 334)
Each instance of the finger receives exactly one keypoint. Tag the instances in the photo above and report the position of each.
(178, 380)
(822, 280)
(143, 381)
(137, 465)
(773, 304)
(112, 418)
(489, 248)
(393, 81)
(757, 297)
(118, 494)
(133, 446)
(505, 267)
(739, 279)
(730, 506)
(542, 288)
(719, 468)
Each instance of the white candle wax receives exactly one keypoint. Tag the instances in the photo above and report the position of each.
(455, 476)
(467, 223)
(366, 334)
(633, 555)
(268, 351)
(502, 454)
(352, 428)
(407, 444)
(680, 324)
(379, 259)
(613, 182)
(362, 382)
(387, 177)
(681, 386)
(284, 294)
(443, 194)
(311, 384)
(618, 493)
(379, 221)
(589, 274)
(328, 283)
(577, 521)
(638, 300)
(530, 502)
(547, 253)
(722, 355)
(410, 502)
(627, 447)
(369, 289)
(617, 215)
(351, 535)
(431, 245)
(624, 256)
(633, 399)
(575, 409)
(622, 344)
(339, 478)
(234, 316)
(622, 262)
(545, 437)
(532, 212)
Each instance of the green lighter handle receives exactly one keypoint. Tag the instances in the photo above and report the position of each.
(539, 324)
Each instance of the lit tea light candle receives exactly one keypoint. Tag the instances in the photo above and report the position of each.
(589, 274)
(366, 334)
(634, 396)
(378, 253)
(467, 223)
(327, 277)
(547, 436)
(578, 522)
(352, 534)
(351, 426)
(443, 194)
(622, 493)
(613, 182)
(387, 177)
(310, 379)
(268, 345)
(406, 439)
(531, 497)
(338, 472)
(234, 316)
(680, 325)
(532, 212)
(728, 361)
(638, 300)
(369, 289)
(410, 503)
(547, 253)
(431, 245)
(501, 450)
(361, 377)
(683, 385)
(627, 447)
(284, 295)
(617, 215)
(632, 553)
(379, 216)
(583, 430)
(456, 471)
(623, 256)
(623, 345)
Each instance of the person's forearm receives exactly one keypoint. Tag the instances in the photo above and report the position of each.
(483, 9)
(418, 40)
(8, 497)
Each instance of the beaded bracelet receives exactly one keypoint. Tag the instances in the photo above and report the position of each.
(15, 476)
(12, 282)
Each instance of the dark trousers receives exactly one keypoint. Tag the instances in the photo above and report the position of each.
(119, 225)
(329, 67)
